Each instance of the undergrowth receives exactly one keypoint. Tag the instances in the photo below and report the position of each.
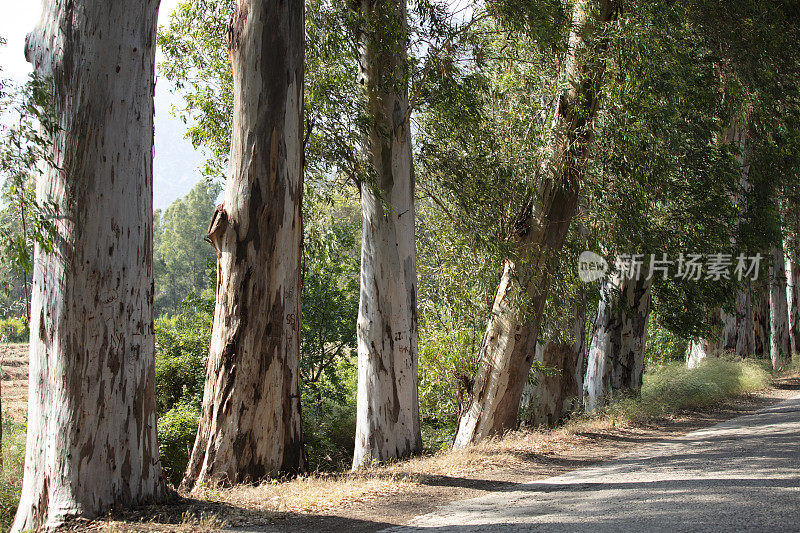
(11, 473)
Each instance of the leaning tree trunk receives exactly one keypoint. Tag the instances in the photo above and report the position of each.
(387, 415)
(616, 352)
(778, 310)
(91, 442)
(508, 345)
(250, 420)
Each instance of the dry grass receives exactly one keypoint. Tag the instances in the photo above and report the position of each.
(14, 359)
(704, 387)
(211, 508)
(323, 493)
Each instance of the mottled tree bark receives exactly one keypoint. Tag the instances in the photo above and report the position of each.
(761, 318)
(508, 345)
(745, 329)
(733, 332)
(779, 349)
(724, 338)
(387, 417)
(793, 294)
(250, 420)
(616, 351)
(91, 442)
(553, 397)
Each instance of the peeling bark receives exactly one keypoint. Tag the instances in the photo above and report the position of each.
(250, 420)
(793, 295)
(761, 319)
(724, 339)
(553, 397)
(91, 441)
(387, 417)
(508, 345)
(616, 352)
(779, 349)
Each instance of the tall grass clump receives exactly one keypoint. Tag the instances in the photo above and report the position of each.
(11, 473)
(673, 387)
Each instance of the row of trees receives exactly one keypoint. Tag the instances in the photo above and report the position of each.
(539, 129)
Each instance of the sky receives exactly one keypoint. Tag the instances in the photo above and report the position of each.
(175, 161)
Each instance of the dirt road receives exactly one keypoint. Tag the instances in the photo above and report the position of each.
(740, 475)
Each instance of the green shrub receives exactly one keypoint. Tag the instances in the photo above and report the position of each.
(177, 429)
(329, 429)
(329, 417)
(13, 330)
(662, 345)
(181, 354)
(11, 474)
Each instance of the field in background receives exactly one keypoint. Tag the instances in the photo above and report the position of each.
(14, 359)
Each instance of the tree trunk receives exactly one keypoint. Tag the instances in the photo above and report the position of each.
(553, 397)
(508, 345)
(733, 332)
(698, 351)
(724, 339)
(778, 311)
(793, 295)
(387, 417)
(760, 296)
(250, 421)
(574, 385)
(616, 352)
(745, 328)
(91, 442)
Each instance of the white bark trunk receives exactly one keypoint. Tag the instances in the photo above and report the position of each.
(779, 350)
(697, 352)
(387, 417)
(733, 332)
(507, 349)
(250, 421)
(91, 442)
(596, 384)
(745, 329)
(793, 296)
(760, 294)
(723, 340)
(616, 352)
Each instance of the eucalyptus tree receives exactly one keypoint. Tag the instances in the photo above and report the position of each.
(779, 342)
(660, 198)
(357, 130)
(91, 442)
(754, 59)
(250, 424)
(507, 350)
(387, 416)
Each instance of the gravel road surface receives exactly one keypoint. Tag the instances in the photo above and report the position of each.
(740, 475)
